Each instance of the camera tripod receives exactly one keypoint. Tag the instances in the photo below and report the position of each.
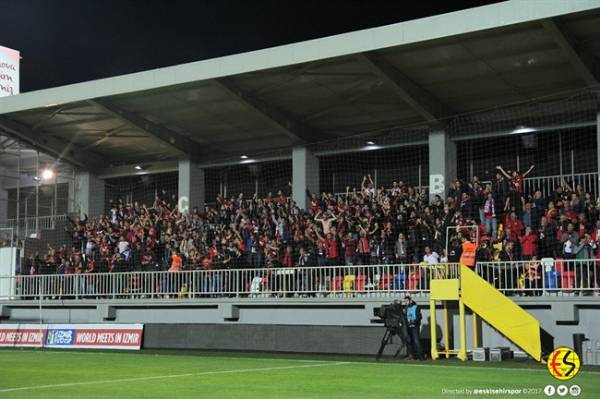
(387, 339)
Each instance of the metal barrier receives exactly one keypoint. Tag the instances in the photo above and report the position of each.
(547, 184)
(544, 276)
(32, 225)
(372, 280)
(526, 278)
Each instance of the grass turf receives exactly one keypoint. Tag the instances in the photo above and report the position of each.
(147, 374)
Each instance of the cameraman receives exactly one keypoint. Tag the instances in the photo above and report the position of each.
(413, 316)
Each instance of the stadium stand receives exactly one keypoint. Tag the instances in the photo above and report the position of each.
(369, 226)
(306, 185)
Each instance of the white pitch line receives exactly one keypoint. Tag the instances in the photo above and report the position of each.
(198, 354)
(542, 369)
(159, 377)
(387, 364)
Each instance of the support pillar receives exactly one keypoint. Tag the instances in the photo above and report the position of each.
(305, 174)
(3, 197)
(191, 189)
(442, 163)
(90, 194)
(72, 195)
(597, 192)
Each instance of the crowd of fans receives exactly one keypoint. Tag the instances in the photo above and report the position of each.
(365, 225)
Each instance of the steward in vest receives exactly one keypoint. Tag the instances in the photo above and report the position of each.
(469, 248)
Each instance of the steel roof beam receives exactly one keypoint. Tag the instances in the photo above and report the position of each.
(422, 102)
(41, 140)
(298, 132)
(581, 62)
(182, 145)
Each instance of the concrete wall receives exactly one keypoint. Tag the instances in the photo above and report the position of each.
(268, 337)
(328, 325)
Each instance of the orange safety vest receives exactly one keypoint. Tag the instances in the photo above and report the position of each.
(176, 264)
(467, 257)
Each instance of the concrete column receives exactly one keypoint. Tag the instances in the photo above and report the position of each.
(442, 163)
(3, 197)
(598, 148)
(72, 196)
(305, 174)
(89, 194)
(191, 186)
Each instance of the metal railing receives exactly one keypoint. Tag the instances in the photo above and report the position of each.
(523, 278)
(31, 225)
(547, 184)
(373, 280)
(546, 276)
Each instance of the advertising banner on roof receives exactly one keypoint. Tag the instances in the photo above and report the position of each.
(9, 71)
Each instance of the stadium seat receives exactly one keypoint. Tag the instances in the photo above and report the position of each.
(385, 281)
(551, 279)
(337, 283)
(361, 282)
(414, 279)
(255, 285)
(568, 280)
(349, 282)
(559, 265)
(400, 281)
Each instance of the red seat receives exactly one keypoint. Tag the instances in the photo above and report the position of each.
(414, 281)
(559, 265)
(361, 281)
(385, 282)
(568, 280)
(336, 283)
(265, 281)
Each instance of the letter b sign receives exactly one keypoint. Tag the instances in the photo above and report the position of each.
(436, 184)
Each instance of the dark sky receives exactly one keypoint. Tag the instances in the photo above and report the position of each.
(69, 41)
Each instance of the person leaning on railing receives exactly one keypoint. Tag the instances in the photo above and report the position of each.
(469, 250)
(584, 250)
(173, 277)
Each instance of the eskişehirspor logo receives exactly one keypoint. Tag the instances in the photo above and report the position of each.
(60, 337)
(563, 363)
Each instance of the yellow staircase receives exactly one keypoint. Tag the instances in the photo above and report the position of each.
(491, 305)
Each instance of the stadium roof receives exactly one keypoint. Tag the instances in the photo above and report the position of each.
(409, 73)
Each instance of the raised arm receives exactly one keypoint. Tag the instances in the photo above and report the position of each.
(528, 171)
(318, 218)
(566, 185)
(503, 171)
(332, 217)
(317, 233)
(375, 228)
(363, 184)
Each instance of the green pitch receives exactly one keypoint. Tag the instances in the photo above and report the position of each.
(75, 374)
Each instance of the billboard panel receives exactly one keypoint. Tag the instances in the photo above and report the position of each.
(75, 336)
(9, 71)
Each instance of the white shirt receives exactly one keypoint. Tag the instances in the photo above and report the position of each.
(431, 259)
(123, 245)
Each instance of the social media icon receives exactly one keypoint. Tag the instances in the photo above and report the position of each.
(562, 390)
(575, 390)
(549, 390)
